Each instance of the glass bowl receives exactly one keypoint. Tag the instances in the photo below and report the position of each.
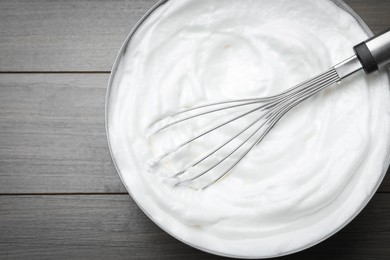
(112, 90)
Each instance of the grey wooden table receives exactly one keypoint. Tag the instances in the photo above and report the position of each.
(60, 195)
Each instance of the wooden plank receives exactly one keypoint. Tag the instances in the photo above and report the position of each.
(385, 186)
(76, 35)
(101, 227)
(72, 35)
(52, 135)
(374, 12)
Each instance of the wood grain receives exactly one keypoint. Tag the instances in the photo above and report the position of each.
(101, 227)
(52, 135)
(70, 35)
(73, 35)
(374, 12)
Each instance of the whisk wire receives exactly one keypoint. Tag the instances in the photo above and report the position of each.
(273, 108)
(281, 112)
(221, 146)
(205, 133)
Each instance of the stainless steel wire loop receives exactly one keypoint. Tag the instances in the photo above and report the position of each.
(270, 110)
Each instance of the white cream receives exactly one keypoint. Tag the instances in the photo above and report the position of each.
(312, 173)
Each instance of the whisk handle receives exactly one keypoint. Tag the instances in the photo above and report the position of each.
(374, 53)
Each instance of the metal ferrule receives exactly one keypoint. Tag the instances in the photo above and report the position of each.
(348, 67)
(379, 47)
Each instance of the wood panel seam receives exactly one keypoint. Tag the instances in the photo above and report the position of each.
(55, 72)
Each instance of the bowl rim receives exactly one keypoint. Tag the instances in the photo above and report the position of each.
(341, 4)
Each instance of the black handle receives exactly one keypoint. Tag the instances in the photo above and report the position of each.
(374, 53)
